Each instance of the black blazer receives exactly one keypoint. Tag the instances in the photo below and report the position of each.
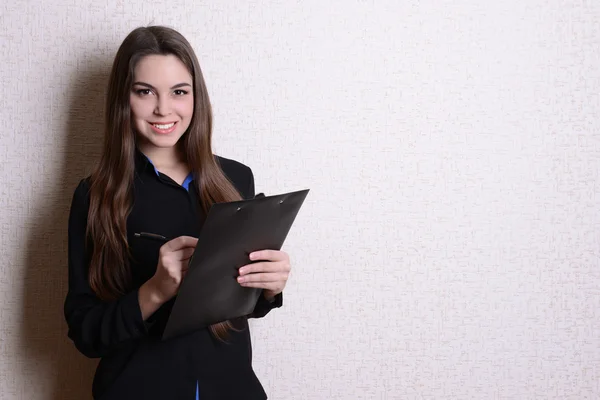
(135, 363)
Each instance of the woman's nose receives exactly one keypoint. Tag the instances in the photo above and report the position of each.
(163, 106)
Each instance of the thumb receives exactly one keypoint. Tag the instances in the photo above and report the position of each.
(181, 242)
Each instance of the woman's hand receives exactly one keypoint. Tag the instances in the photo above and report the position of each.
(173, 259)
(270, 274)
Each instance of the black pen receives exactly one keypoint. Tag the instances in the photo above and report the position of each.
(152, 236)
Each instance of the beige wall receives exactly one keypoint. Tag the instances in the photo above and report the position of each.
(449, 248)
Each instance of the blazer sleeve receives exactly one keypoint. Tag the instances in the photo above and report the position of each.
(263, 306)
(95, 326)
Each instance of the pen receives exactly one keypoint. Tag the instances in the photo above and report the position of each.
(152, 236)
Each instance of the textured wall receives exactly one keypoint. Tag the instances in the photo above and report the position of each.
(449, 248)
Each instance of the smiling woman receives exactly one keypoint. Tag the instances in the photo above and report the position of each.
(156, 161)
(162, 102)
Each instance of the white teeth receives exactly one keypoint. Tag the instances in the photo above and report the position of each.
(164, 126)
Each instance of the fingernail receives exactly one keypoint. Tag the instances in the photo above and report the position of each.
(252, 256)
(242, 271)
(240, 279)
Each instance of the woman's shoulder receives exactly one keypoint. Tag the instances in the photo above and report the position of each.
(82, 188)
(229, 165)
(81, 193)
(239, 174)
(233, 169)
(80, 203)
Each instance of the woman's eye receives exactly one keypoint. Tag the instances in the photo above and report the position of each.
(180, 92)
(143, 92)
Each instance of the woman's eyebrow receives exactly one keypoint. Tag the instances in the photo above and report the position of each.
(152, 87)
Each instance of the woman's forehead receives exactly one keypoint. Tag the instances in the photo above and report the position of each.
(162, 70)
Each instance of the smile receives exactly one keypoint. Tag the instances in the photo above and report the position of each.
(163, 128)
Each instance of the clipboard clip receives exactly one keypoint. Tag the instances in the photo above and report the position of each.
(260, 195)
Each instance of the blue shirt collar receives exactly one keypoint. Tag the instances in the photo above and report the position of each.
(142, 161)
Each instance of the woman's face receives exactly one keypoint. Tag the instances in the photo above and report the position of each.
(162, 100)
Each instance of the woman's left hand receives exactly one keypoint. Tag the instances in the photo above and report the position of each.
(270, 274)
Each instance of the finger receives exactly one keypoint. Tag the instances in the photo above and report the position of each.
(264, 267)
(263, 278)
(269, 255)
(184, 254)
(181, 242)
(274, 286)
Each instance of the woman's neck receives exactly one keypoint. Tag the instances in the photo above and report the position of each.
(164, 157)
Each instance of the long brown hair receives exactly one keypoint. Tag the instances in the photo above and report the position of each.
(111, 197)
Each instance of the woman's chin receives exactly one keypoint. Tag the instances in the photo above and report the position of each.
(161, 141)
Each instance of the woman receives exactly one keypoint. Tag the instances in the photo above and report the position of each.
(157, 173)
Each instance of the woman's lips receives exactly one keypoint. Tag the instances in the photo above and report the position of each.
(163, 128)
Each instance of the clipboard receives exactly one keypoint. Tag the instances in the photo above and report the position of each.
(210, 292)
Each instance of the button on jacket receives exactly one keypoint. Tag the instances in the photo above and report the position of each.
(135, 363)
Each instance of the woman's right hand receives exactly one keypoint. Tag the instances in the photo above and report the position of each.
(173, 259)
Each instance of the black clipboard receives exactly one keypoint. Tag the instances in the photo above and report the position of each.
(210, 292)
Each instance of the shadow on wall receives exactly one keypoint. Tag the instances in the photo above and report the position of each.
(50, 354)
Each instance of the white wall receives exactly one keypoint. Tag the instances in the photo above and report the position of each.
(449, 248)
